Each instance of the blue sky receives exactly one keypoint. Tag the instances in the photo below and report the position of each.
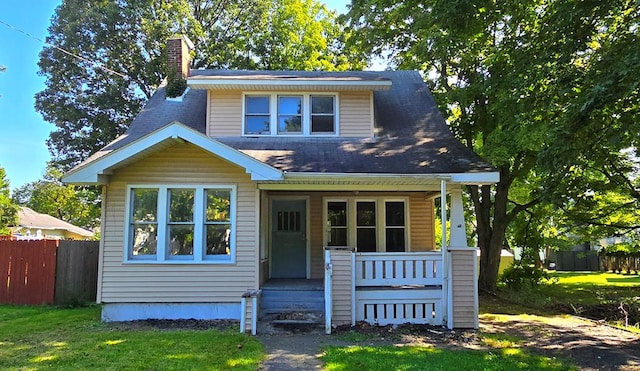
(23, 151)
(23, 132)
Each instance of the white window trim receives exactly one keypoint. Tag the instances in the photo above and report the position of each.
(199, 256)
(306, 113)
(381, 225)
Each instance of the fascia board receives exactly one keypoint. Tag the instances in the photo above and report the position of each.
(222, 82)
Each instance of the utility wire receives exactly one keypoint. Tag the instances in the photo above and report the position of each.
(96, 64)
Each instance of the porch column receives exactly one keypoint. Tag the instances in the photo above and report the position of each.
(458, 237)
(444, 249)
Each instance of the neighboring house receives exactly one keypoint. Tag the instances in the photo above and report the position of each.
(36, 226)
(256, 177)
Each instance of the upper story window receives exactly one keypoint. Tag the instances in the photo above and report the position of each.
(290, 114)
(181, 224)
(323, 117)
(257, 115)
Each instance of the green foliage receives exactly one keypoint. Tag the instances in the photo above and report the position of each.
(65, 339)
(8, 210)
(543, 90)
(176, 84)
(519, 276)
(91, 106)
(74, 204)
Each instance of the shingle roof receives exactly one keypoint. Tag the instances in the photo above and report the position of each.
(413, 137)
(28, 218)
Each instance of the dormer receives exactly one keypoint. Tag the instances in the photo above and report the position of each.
(289, 103)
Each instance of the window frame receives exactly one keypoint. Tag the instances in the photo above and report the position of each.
(381, 226)
(245, 114)
(162, 255)
(306, 113)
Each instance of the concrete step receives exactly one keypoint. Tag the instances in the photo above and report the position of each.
(284, 300)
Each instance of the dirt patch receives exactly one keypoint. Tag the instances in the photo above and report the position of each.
(628, 313)
(589, 344)
(411, 334)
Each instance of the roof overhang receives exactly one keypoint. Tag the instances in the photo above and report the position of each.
(285, 83)
(94, 172)
(378, 182)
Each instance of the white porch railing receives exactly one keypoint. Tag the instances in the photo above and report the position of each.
(395, 288)
(399, 269)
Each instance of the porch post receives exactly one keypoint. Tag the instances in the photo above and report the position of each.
(443, 247)
(458, 236)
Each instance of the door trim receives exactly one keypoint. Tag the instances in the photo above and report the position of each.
(307, 226)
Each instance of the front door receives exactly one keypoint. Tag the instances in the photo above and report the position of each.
(288, 239)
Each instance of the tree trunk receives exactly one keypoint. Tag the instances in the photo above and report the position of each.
(492, 221)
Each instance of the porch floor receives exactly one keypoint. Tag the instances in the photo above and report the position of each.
(293, 284)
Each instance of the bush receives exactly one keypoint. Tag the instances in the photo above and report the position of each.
(175, 84)
(521, 275)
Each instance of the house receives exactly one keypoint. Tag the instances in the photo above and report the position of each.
(256, 177)
(36, 226)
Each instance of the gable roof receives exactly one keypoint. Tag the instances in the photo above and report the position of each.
(412, 136)
(27, 218)
(90, 171)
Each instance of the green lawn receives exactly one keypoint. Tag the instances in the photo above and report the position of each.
(586, 288)
(34, 338)
(426, 358)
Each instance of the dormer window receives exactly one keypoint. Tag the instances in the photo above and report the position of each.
(323, 118)
(257, 115)
(290, 114)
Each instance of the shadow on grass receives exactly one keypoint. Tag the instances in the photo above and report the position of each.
(421, 358)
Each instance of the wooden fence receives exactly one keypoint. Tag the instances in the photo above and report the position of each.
(621, 262)
(48, 271)
(577, 261)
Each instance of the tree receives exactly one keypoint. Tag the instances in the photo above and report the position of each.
(76, 205)
(503, 73)
(121, 45)
(8, 210)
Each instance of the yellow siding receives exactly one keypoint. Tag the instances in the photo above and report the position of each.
(462, 277)
(421, 222)
(315, 234)
(342, 287)
(180, 163)
(355, 114)
(225, 113)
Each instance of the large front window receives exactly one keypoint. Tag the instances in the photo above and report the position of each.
(371, 225)
(290, 114)
(181, 224)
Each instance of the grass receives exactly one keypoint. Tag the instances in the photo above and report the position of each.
(569, 288)
(34, 338)
(579, 293)
(589, 288)
(425, 358)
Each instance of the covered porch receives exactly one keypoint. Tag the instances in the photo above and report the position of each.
(382, 269)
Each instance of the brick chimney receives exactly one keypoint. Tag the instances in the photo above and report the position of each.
(178, 56)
